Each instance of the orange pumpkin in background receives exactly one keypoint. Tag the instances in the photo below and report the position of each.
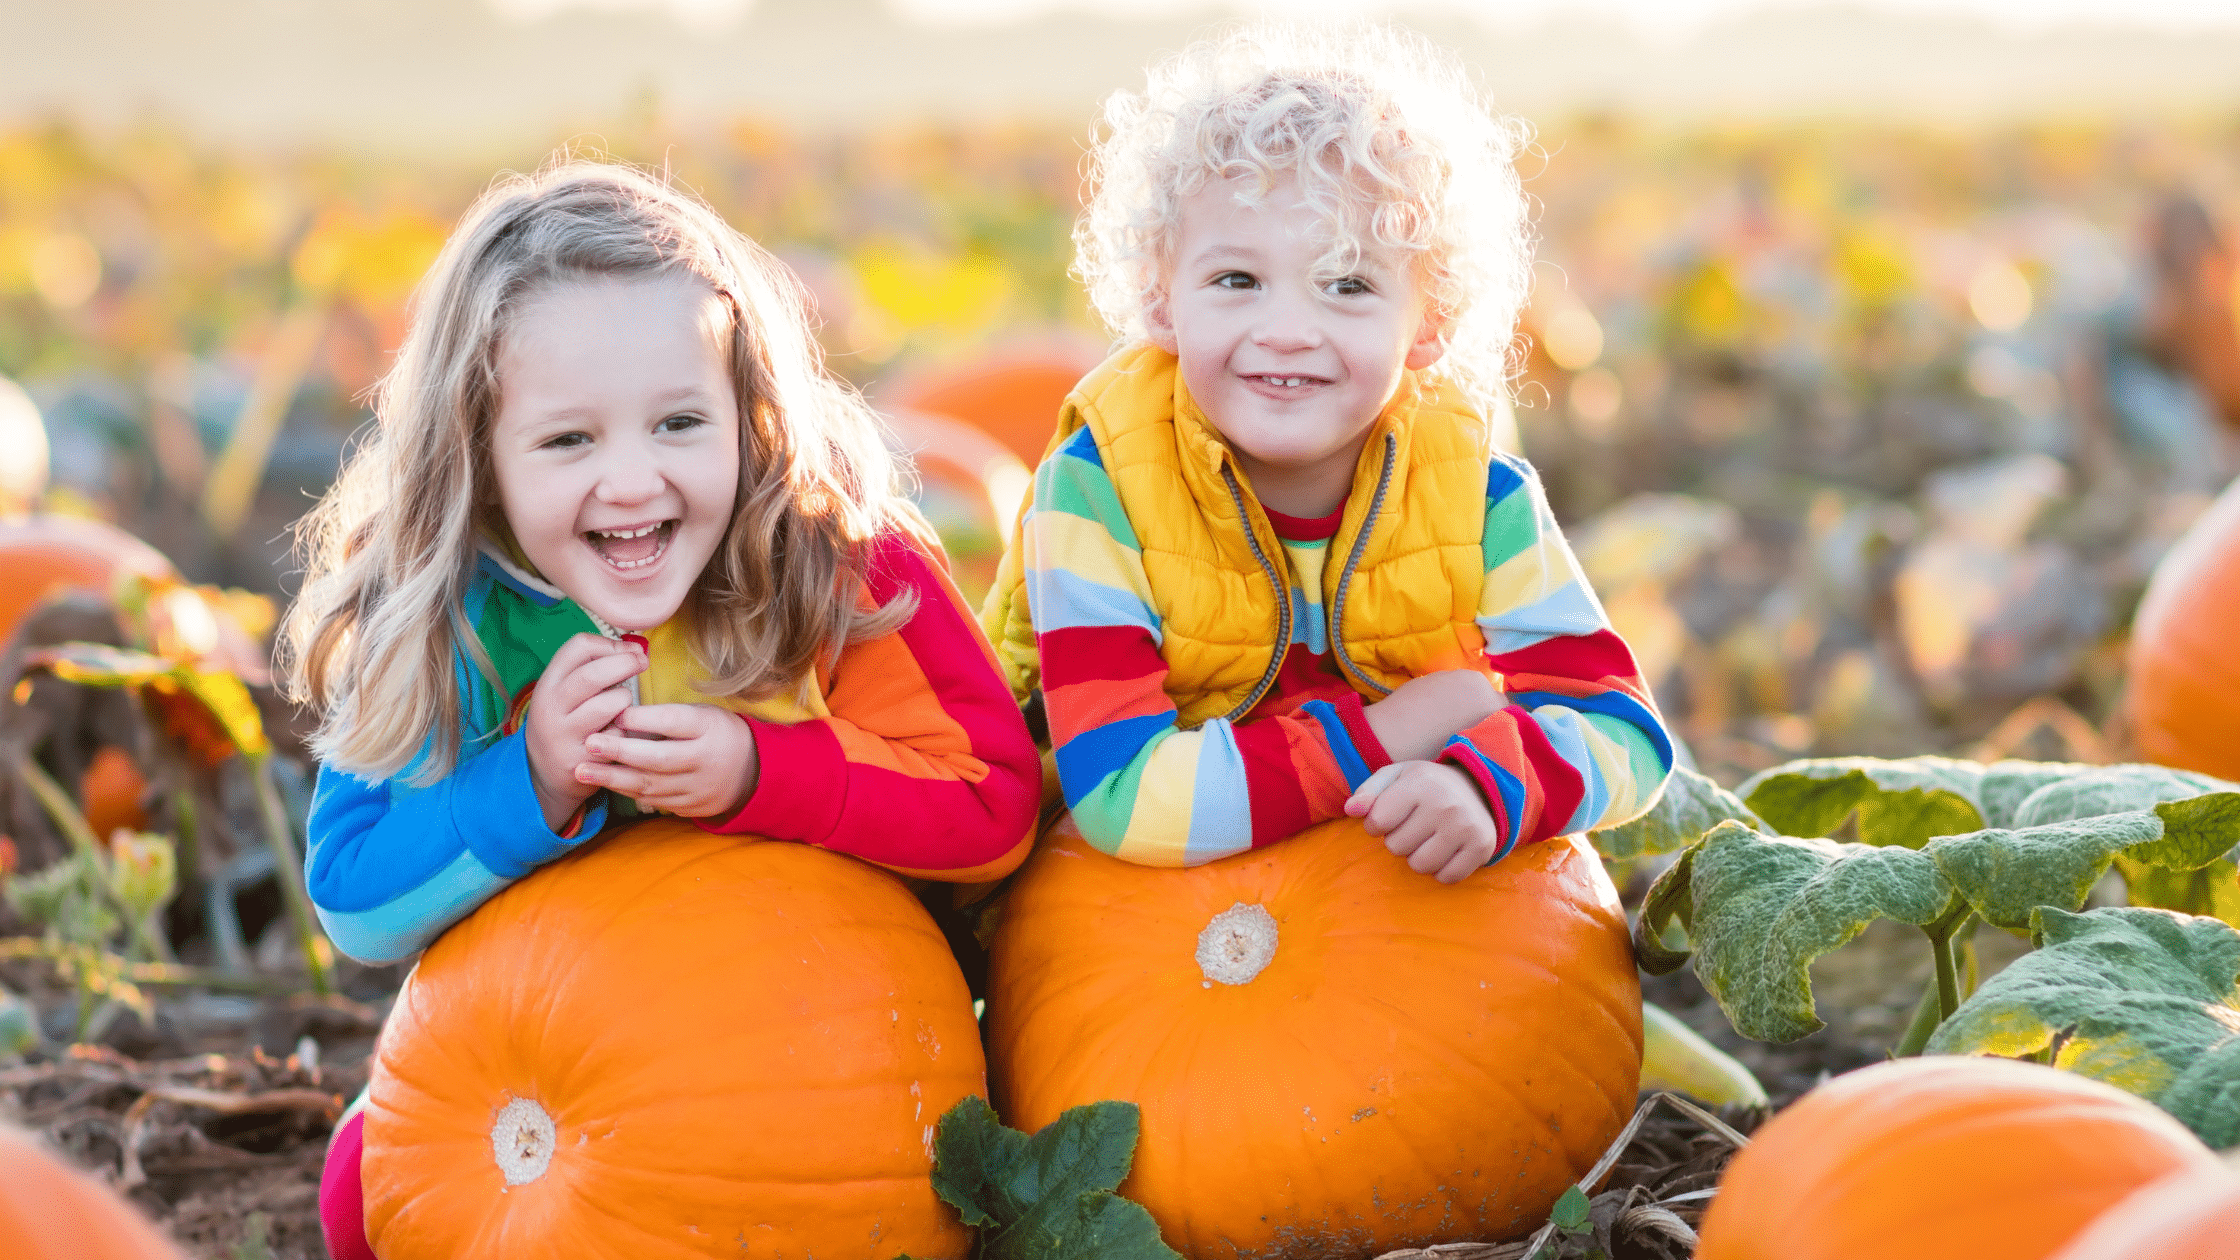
(1941, 1158)
(51, 1211)
(2193, 1214)
(112, 791)
(44, 556)
(2185, 649)
(1334, 1055)
(1012, 397)
(674, 1044)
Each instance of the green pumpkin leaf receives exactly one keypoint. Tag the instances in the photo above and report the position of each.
(2212, 890)
(1903, 803)
(2007, 874)
(1570, 1211)
(972, 1151)
(2195, 832)
(2146, 1000)
(1670, 897)
(1691, 805)
(2007, 784)
(2097, 791)
(1764, 907)
(1050, 1195)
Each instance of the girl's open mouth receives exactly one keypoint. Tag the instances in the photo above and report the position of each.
(632, 548)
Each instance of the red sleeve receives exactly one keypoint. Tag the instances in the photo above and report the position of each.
(925, 766)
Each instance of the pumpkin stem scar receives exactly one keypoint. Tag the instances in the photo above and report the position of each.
(522, 1140)
(1237, 944)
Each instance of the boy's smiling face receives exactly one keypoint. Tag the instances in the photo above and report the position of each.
(1291, 369)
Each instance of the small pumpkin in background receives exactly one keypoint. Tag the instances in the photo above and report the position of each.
(1012, 396)
(2192, 1214)
(51, 1211)
(1941, 1158)
(44, 556)
(2184, 673)
(112, 792)
(674, 1044)
(1332, 1054)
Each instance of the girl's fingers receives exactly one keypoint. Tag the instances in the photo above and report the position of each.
(654, 756)
(667, 721)
(596, 713)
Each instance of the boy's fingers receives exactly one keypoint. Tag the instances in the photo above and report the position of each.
(653, 756)
(1459, 866)
(1371, 788)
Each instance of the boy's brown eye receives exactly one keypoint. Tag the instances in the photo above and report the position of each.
(1234, 280)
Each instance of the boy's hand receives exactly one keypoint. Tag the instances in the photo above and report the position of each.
(579, 693)
(1430, 814)
(702, 762)
(1413, 723)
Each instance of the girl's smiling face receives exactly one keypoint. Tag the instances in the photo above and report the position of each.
(616, 443)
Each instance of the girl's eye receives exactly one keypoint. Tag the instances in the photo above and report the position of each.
(1347, 286)
(569, 441)
(680, 424)
(1235, 280)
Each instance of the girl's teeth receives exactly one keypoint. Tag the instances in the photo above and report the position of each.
(635, 533)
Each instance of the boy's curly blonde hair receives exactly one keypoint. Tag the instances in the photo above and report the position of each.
(1390, 144)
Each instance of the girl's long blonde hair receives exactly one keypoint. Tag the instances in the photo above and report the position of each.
(373, 640)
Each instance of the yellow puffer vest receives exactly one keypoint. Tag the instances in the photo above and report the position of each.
(1402, 604)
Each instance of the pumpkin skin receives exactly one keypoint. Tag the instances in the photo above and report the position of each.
(1417, 1063)
(1013, 398)
(51, 1211)
(2185, 677)
(43, 556)
(682, 1045)
(2188, 1215)
(1941, 1158)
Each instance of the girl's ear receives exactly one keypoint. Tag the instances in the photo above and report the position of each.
(1430, 344)
(1158, 325)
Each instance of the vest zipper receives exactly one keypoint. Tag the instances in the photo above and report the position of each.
(1282, 589)
(1360, 544)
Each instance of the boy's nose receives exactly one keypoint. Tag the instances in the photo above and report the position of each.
(1288, 326)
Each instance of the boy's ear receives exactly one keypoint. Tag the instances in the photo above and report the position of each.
(1158, 325)
(1430, 344)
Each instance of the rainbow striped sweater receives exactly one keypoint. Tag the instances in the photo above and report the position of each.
(907, 751)
(1579, 746)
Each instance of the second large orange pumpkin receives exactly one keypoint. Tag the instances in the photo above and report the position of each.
(1942, 1158)
(674, 1044)
(1334, 1056)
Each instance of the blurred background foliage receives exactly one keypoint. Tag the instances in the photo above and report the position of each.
(1868, 435)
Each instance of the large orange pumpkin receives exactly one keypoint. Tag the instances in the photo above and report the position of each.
(51, 1211)
(1334, 1056)
(2185, 673)
(2192, 1214)
(1942, 1158)
(674, 1044)
(45, 555)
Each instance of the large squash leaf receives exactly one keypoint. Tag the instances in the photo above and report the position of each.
(1761, 908)
(1904, 803)
(1050, 1196)
(2146, 1000)
(2100, 790)
(2005, 874)
(1691, 805)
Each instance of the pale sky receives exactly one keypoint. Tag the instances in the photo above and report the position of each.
(1672, 16)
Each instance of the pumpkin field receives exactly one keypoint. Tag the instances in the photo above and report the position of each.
(1904, 460)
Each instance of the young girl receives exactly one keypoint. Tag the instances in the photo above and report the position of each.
(619, 543)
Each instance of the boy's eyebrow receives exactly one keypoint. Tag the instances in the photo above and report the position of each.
(1224, 253)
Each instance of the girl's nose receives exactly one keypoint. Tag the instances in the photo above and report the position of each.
(629, 474)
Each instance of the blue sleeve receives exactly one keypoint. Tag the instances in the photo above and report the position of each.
(391, 866)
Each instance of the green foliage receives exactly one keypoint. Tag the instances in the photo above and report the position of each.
(1691, 805)
(2146, 1000)
(19, 1025)
(1570, 1211)
(1759, 909)
(1050, 1196)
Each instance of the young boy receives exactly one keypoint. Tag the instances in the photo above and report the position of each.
(1273, 572)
